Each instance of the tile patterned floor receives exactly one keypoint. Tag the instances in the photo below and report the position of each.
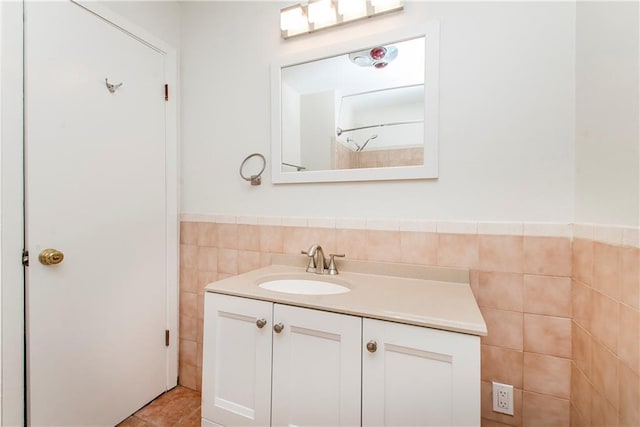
(179, 407)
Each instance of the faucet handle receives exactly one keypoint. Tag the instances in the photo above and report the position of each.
(311, 267)
(332, 264)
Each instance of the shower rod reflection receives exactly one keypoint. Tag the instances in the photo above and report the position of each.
(365, 143)
(340, 131)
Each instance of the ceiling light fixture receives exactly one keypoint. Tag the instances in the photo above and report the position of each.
(378, 57)
(319, 14)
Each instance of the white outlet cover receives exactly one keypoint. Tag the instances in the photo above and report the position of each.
(502, 398)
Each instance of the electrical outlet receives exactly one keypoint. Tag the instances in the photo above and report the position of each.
(503, 398)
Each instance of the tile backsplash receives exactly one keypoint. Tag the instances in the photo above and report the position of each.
(605, 372)
(556, 336)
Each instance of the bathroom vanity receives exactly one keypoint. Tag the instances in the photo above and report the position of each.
(400, 347)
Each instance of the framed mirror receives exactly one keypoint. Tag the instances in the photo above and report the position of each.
(362, 110)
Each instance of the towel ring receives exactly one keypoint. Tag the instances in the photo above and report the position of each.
(255, 179)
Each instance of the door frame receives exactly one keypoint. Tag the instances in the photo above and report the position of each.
(12, 297)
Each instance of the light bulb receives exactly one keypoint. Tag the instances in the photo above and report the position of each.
(352, 9)
(322, 12)
(378, 52)
(363, 61)
(384, 5)
(292, 18)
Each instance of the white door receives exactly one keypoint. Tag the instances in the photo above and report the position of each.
(95, 190)
(414, 376)
(316, 368)
(236, 369)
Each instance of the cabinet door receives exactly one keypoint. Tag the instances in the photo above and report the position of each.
(419, 376)
(236, 370)
(316, 368)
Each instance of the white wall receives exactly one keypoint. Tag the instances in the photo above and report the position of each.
(317, 127)
(410, 134)
(506, 114)
(160, 18)
(291, 132)
(607, 113)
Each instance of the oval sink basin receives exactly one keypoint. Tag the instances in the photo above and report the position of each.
(304, 287)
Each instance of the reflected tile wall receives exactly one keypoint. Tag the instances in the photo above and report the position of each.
(344, 158)
(539, 315)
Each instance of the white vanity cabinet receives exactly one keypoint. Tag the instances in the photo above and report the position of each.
(267, 364)
(419, 376)
(301, 367)
(316, 368)
(236, 365)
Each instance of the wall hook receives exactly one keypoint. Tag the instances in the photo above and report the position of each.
(112, 88)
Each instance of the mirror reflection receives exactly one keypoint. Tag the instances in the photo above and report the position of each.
(364, 109)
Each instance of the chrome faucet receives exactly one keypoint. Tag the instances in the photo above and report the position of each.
(318, 263)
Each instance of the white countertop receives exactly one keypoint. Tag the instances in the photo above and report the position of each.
(418, 295)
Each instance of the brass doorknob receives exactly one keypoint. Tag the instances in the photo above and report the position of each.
(50, 256)
(372, 346)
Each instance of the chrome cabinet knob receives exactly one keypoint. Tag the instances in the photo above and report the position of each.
(260, 323)
(278, 327)
(372, 346)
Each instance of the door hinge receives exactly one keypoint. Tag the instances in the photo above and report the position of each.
(166, 338)
(166, 92)
(25, 258)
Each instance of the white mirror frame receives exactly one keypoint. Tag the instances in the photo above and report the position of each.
(429, 170)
